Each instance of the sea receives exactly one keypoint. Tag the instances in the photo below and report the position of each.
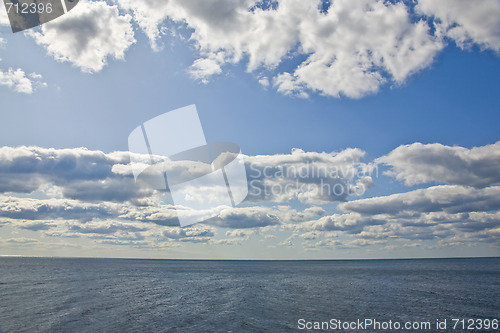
(129, 295)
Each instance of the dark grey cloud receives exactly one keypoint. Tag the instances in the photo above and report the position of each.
(79, 173)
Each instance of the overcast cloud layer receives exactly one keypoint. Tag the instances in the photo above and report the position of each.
(349, 48)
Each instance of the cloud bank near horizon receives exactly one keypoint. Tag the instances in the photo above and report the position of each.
(79, 193)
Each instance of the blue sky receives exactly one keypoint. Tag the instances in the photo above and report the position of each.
(441, 90)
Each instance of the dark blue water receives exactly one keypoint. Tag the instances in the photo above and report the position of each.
(117, 295)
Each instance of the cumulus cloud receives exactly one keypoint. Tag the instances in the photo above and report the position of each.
(464, 213)
(127, 224)
(195, 234)
(351, 223)
(87, 36)
(77, 173)
(466, 22)
(149, 15)
(289, 85)
(386, 226)
(18, 81)
(109, 221)
(351, 47)
(93, 194)
(418, 163)
(42, 214)
(202, 69)
(447, 198)
(264, 81)
(83, 185)
(310, 177)
(342, 48)
(260, 217)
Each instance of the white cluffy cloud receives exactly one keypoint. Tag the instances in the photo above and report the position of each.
(443, 198)
(465, 21)
(20, 82)
(343, 48)
(418, 163)
(87, 36)
(351, 49)
(17, 79)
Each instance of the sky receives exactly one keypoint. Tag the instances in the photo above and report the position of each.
(398, 101)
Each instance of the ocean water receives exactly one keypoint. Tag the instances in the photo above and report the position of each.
(120, 295)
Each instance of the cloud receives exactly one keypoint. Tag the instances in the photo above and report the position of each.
(92, 194)
(432, 229)
(350, 223)
(447, 198)
(21, 240)
(202, 69)
(264, 81)
(446, 215)
(76, 173)
(195, 234)
(87, 36)
(52, 209)
(310, 177)
(126, 224)
(241, 233)
(74, 218)
(94, 176)
(260, 217)
(418, 163)
(466, 22)
(351, 244)
(350, 48)
(149, 15)
(289, 85)
(343, 48)
(19, 81)
(45, 214)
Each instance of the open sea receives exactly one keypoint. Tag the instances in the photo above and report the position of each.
(124, 295)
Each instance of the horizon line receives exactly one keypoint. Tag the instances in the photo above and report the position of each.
(205, 259)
